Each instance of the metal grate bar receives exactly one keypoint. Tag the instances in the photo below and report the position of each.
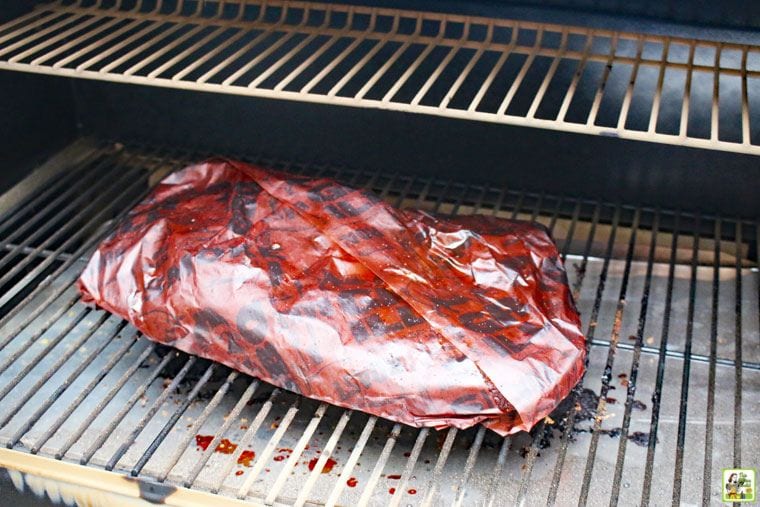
(81, 251)
(11, 358)
(55, 38)
(229, 419)
(172, 421)
(112, 191)
(414, 455)
(95, 445)
(569, 420)
(115, 357)
(77, 434)
(329, 449)
(246, 440)
(316, 419)
(31, 420)
(361, 442)
(105, 27)
(443, 455)
(218, 395)
(73, 347)
(493, 484)
(738, 357)
(634, 371)
(656, 398)
(269, 449)
(149, 414)
(380, 464)
(687, 93)
(601, 408)
(686, 371)
(123, 403)
(469, 465)
(28, 250)
(710, 419)
(64, 182)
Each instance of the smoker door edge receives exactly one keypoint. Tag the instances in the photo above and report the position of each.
(87, 486)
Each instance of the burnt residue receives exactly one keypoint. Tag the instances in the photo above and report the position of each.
(152, 492)
(639, 438)
(638, 405)
(614, 432)
(582, 405)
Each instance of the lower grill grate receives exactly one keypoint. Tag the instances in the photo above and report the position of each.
(670, 308)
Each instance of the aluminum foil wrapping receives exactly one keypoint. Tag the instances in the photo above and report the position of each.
(330, 292)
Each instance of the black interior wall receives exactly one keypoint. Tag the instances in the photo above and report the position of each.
(628, 14)
(37, 118)
(521, 158)
(37, 115)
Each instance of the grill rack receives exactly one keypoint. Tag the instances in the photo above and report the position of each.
(665, 89)
(77, 376)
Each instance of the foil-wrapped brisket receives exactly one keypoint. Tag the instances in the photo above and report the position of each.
(332, 293)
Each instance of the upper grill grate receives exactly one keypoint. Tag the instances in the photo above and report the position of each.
(665, 89)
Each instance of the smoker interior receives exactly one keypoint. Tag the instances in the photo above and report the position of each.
(660, 243)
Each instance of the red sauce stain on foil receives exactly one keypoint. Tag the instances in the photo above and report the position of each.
(352, 482)
(326, 468)
(412, 491)
(407, 454)
(394, 477)
(239, 472)
(391, 490)
(279, 457)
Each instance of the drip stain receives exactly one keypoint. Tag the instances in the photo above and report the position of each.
(246, 457)
(225, 446)
(326, 468)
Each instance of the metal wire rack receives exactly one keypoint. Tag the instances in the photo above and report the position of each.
(664, 89)
(670, 307)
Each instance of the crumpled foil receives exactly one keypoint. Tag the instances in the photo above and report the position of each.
(332, 293)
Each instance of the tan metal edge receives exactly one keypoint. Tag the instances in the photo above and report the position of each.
(39, 176)
(98, 487)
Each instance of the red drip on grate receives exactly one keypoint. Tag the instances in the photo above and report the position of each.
(326, 468)
(246, 457)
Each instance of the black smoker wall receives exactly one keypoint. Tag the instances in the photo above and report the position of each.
(521, 158)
